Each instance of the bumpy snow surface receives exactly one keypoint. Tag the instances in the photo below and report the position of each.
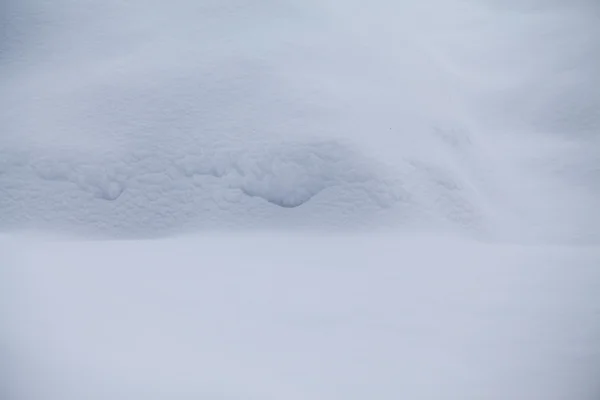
(331, 169)
(129, 118)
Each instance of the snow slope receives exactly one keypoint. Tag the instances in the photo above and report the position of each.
(130, 119)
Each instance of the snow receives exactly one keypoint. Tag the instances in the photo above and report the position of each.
(300, 199)
(304, 316)
(128, 120)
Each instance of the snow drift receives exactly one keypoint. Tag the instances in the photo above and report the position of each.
(135, 119)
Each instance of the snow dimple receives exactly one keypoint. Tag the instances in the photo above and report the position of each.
(289, 180)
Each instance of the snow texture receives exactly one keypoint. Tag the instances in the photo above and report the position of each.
(331, 199)
(123, 119)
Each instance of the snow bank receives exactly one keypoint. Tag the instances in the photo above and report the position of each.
(130, 119)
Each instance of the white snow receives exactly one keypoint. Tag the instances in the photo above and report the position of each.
(266, 317)
(129, 119)
(300, 199)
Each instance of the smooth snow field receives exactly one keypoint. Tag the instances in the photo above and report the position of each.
(285, 199)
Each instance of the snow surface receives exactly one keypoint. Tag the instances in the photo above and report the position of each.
(303, 317)
(129, 119)
(323, 199)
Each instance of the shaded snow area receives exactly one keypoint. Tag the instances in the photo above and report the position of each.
(333, 199)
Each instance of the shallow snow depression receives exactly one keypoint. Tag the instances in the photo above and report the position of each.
(400, 126)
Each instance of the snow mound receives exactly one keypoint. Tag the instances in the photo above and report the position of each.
(122, 118)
